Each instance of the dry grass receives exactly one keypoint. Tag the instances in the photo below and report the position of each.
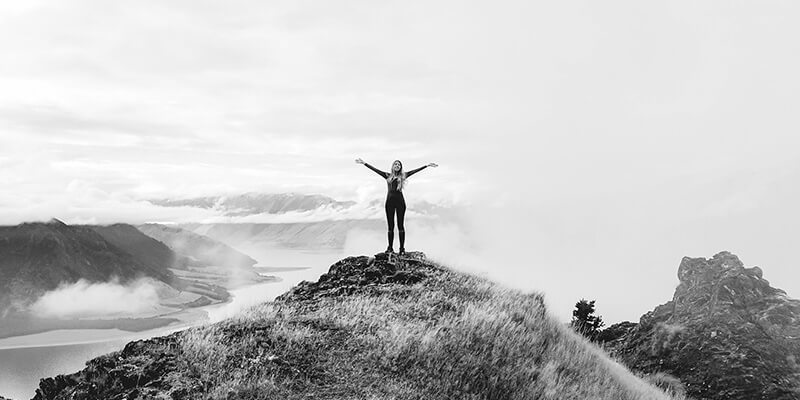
(453, 336)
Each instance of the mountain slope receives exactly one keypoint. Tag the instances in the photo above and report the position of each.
(37, 257)
(726, 334)
(140, 245)
(201, 248)
(371, 328)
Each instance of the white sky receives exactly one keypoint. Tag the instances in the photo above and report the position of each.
(612, 138)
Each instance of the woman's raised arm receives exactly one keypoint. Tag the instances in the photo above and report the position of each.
(377, 171)
(414, 171)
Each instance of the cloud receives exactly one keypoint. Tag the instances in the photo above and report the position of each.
(85, 299)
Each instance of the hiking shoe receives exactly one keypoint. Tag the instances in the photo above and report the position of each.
(402, 251)
(389, 250)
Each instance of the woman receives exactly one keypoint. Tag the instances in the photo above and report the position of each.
(395, 181)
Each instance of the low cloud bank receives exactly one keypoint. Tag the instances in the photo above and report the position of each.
(84, 299)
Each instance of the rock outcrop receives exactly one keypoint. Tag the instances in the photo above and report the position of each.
(354, 274)
(726, 334)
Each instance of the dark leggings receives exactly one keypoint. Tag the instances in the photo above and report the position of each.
(396, 203)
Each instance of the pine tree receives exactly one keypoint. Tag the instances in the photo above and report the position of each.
(584, 321)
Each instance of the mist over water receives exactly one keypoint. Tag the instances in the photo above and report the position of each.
(84, 299)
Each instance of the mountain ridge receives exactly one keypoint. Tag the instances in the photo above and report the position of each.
(256, 203)
(371, 327)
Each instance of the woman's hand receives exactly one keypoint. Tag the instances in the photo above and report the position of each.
(434, 165)
(359, 161)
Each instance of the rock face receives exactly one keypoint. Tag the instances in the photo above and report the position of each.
(726, 334)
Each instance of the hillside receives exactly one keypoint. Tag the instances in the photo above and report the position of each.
(37, 257)
(200, 248)
(726, 334)
(370, 328)
(140, 245)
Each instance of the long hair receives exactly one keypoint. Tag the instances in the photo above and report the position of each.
(400, 176)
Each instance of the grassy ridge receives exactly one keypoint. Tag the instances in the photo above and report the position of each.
(450, 336)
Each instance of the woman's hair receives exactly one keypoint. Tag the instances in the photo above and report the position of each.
(399, 175)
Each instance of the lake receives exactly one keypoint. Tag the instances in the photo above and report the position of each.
(24, 360)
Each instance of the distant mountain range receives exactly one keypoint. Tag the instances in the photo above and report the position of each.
(280, 203)
(256, 203)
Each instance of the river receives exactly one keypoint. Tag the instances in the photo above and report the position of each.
(26, 359)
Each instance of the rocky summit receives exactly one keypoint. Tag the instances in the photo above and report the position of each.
(354, 274)
(726, 334)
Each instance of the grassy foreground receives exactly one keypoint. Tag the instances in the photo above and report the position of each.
(375, 329)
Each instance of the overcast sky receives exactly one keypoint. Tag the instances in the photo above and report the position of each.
(596, 143)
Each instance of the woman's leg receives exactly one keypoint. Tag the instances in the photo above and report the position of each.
(390, 210)
(401, 215)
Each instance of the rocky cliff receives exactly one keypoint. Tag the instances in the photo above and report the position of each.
(726, 334)
(371, 328)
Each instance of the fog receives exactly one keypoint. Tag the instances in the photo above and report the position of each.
(591, 146)
(84, 299)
